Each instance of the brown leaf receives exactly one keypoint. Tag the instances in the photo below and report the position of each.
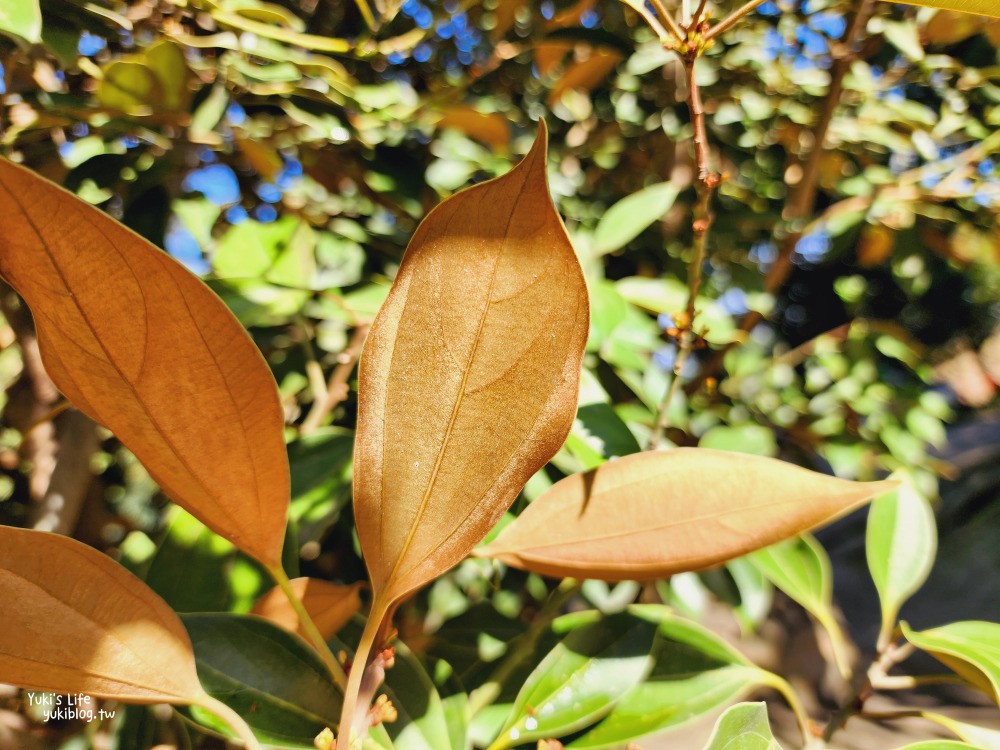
(329, 605)
(142, 346)
(74, 621)
(491, 129)
(468, 381)
(587, 74)
(652, 514)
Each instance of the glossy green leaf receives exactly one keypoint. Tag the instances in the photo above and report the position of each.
(901, 544)
(581, 679)
(801, 569)
(977, 736)
(979, 7)
(743, 727)
(694, 673)
(627, 219)
(268, 676)
(971, 648)
(421, 724)
(22, 18)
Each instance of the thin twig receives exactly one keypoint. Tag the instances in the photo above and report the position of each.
(705, 184)
(337, 390)
(732, 19)
(697, 18)
(803, 199)
(666, 17)
(887, 659)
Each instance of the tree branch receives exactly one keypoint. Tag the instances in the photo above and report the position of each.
(337, 389)
(802, 201)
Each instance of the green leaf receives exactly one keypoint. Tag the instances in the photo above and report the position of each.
(627, 219)
(166, 60)
(656, 295)
(905, 37)
(978, 737)
(129, 85)
(268, 676)
(744, 438)
(979, 7)
(743, 727)
(801, 568)
(608, 310)
(901, 544)
(971, 648)
(22, 18)
(609, 434)
(580, 680)
(191, 567)
(456, 715)
(694, 673)
(422, 724)
(281, 251)
(321, 478)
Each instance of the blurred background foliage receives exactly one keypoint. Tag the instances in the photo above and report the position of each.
(285, 152)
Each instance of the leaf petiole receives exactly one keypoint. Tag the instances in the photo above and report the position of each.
(233, 719)
(318, 642)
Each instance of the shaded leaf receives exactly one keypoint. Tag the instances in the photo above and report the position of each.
(330, 605)
(971, 648)
(653, 514)
(581, 679)
(901, 544)
(76, 621)
(743, 727)
(270, 677)
(694, 673)
(140, 345)
(980, 7)
(190, 569)
(630, 216)
(154, 80)
(453, 415)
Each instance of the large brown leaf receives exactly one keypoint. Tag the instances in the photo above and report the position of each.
(76, 621)
(653, 514)
(142, 346)
(468, 381)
